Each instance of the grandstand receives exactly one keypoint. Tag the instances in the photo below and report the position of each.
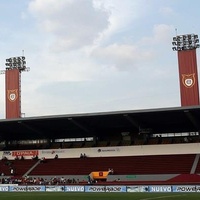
(154, 146)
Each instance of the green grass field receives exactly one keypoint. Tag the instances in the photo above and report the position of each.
(96, 196)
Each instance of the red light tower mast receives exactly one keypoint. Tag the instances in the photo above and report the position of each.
(186, 46)
(14, 67)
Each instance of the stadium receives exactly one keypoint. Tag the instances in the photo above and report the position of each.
(151, 150)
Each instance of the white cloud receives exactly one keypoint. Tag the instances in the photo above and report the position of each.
(162, 34)
(121, 56)
(93, 55)
(122, 15)
(73, 24)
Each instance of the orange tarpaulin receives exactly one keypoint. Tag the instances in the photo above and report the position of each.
(99, 175)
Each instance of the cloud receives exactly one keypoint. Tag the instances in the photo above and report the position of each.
(162, 34)
(73, 24)
(167, 11)
(121, 18)
(134, 54)
(94, 55)
(121, 56)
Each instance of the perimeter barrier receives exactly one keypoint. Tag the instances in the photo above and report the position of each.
(96, 188)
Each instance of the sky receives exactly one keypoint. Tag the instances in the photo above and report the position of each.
(90, 56)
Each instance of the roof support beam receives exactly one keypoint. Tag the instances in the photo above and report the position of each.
(40, 133)
(132, 121)
(192, 119)
(79, 125)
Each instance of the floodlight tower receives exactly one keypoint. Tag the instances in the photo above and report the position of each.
(14, 67)
(186, 46)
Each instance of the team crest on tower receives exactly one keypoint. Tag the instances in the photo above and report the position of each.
(186, 46)
(12, 95)
(188, 80)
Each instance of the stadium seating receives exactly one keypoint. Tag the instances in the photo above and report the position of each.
(180, 165)
(20, 166)
(157, 165)
(162, 164)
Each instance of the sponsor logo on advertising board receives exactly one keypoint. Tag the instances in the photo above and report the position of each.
(115, 188)
(137, 188)
(55, 188)
(4, 188)
(52, 151)
(102, 150)
(94, 188)
(185, 188)
(74, 188)
(105, 188)
(25, 153)
(6, 153)
(160, 188)
(18, 188)
(35, 188)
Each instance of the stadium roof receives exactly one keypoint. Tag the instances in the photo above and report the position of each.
(163, 120)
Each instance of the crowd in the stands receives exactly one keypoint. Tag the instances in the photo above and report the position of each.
(38, 181)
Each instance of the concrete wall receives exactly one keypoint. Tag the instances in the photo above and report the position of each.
(189, 148)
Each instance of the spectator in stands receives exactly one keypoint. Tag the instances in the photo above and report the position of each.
(43, 160)
(110, 171)
(16, 158)
(8, 163)
(4, 158)
(35, 157)
(12, 171)
(89, 180)
(160, 139)
(63, 144)
(186, 140)
(3, 180)
(83, 155)
(62, 180)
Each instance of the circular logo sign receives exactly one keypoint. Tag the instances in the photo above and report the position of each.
(188, 80)
(12, 95)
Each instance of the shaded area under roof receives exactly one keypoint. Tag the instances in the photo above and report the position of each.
(163, 120)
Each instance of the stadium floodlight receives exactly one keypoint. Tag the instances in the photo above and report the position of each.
(178, 48)
(174, 39)
(174, 48)
(178, 38)
(179, 43)
(16, 62)
(174, 43)
(185, 42)
(190, 41)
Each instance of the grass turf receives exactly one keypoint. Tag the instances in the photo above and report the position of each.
(96, 196)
